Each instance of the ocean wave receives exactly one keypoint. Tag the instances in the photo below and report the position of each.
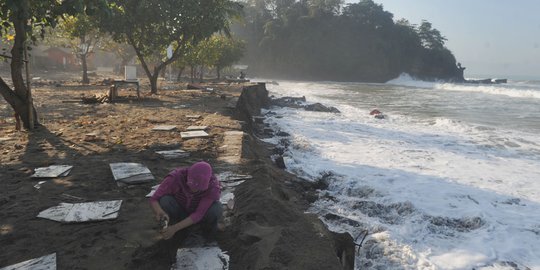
(427, 186)
(517, 90)
(447, 125)
(407, 80)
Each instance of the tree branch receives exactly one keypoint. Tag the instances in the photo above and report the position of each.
(9, 95)
(174, 57)
(139, 55)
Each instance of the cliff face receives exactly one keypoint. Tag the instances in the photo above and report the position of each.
(270, 229)
(435, 65)
(424, 64)
(351, 42)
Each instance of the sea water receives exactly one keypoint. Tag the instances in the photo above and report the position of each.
(450, 179)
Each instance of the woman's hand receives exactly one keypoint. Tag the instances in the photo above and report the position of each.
(171, 230)
(162, 215)
(159, 212)
(168, 232)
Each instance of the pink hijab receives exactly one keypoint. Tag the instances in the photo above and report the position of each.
(199, 175)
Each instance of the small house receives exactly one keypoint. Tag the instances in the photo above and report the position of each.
(61, 58)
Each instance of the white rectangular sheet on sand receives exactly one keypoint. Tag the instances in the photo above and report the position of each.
(229, 185)
(131, 173)
(193, 134)
(191, 128)
(154, 188)
(47, 262)
(82, 212)
(201, 258)
(38, 185)
(171, 154)
(226, 197)
(52, 171)
(232, 177)
(164, 128)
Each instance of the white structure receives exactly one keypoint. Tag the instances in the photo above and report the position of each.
(130, 73)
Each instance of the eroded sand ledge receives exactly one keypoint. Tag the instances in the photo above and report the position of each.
(271, 230)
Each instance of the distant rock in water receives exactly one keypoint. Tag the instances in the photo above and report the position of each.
(293, 102)
(487, 81)
(318, 107)
(297, 102)
(377, 114)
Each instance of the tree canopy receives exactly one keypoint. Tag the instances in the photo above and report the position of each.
(151, 26)
(326, 40)
(223, 52)
(24, 21)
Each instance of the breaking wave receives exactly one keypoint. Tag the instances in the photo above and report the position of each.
(511, 89)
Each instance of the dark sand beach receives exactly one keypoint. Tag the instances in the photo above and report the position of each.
(267, 229)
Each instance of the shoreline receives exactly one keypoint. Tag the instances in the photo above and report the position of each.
(293, 195)
(404, 179)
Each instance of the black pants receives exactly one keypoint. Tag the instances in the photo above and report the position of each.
(177, 213)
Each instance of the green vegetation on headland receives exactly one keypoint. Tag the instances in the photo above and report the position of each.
(326, 40)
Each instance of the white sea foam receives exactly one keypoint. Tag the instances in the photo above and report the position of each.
(511, 89)
(436, 190)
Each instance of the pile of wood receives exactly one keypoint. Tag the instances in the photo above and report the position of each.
(97, 98)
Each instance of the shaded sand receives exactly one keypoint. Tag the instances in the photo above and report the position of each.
(268, 228)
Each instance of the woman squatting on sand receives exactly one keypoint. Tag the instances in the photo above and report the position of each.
(188, 196)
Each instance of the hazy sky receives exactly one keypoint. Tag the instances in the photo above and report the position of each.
(489, 37)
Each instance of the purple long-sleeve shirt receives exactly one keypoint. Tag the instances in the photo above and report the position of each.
(196, 204)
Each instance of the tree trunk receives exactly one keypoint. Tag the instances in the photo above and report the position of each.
(121, 67)
(153, 83)
(218, 71)
(17, 53)
(201, 74)
(20, 106)
(179, 76)
(153, 77)
(18, 97)
(192, 75)
(85, 79)
(163, 73)
(83, 55)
